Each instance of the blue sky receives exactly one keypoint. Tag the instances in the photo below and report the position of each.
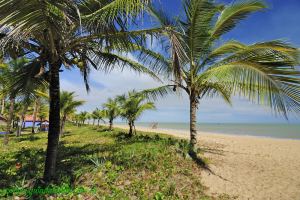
(280, 21)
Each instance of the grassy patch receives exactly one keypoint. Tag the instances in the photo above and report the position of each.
(105, 165)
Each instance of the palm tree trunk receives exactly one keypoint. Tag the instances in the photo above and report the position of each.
(133, 125)
(54, 123)
(98, 122)
(35, 111)
(193, 131)
(62, 126)
(130, 129)
(9, 120)
(22, 121)
(2, 106)
(110, 125)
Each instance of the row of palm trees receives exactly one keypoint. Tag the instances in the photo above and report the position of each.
(91, 34)
(128, 106)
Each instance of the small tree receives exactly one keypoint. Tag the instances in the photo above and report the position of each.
(98, 115)
(132, 106)
(83, 116)
(111, 110)
(67, 107)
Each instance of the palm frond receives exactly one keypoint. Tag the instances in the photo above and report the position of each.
(200, 14)
(116, 8)
(109, 61)
(277, 88)
(214, 89)
(159, 92)
(233, 14)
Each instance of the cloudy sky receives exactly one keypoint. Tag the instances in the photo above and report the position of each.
(280, 21)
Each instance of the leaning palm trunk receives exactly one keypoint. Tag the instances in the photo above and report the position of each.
(54, 123)
(9, 120)
(36, 110)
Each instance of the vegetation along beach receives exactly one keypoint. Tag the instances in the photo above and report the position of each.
(150, 99)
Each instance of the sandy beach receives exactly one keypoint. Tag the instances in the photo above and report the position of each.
(248, 167)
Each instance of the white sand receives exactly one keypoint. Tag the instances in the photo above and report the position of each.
(248, 167)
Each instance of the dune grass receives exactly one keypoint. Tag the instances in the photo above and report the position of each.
(95, 163)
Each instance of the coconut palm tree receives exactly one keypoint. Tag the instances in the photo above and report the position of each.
(132, 107)
(203, 65)
(93, 116)
(19, 81)
(43, 111)
(41, 96)
(83, 116)
(112, 110)
(83, 34)
(76, 119)
(67, 106)
(98, 115)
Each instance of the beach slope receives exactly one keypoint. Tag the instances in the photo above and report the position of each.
(248, 167)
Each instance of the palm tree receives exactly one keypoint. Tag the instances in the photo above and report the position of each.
(67, 106)
(84, 34)
(205, 66)
(132, 106)
(89, 117)
(76, 119)
(40, 97)
(9, 77)
(83, 116)
(93, 116)
(36, 108)
(23, 109)
(112, 110)
(19, 81)
(43, 113)
(98, 115)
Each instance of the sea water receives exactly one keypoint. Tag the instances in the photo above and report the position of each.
(289, 131)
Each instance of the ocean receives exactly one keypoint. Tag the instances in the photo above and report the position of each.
(287, 131)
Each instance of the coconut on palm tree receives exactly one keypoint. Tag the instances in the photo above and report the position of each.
(112, 110)
(83, 34)
(203, 65)
(132, 107)
(68, 106)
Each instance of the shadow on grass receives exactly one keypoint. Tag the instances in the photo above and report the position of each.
(76, 159)
(27, 138)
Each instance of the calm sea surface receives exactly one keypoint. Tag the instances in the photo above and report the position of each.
(290, 131)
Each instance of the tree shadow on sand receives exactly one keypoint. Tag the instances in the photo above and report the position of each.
(201, 163)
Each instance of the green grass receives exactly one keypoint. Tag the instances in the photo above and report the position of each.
(108, 165)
